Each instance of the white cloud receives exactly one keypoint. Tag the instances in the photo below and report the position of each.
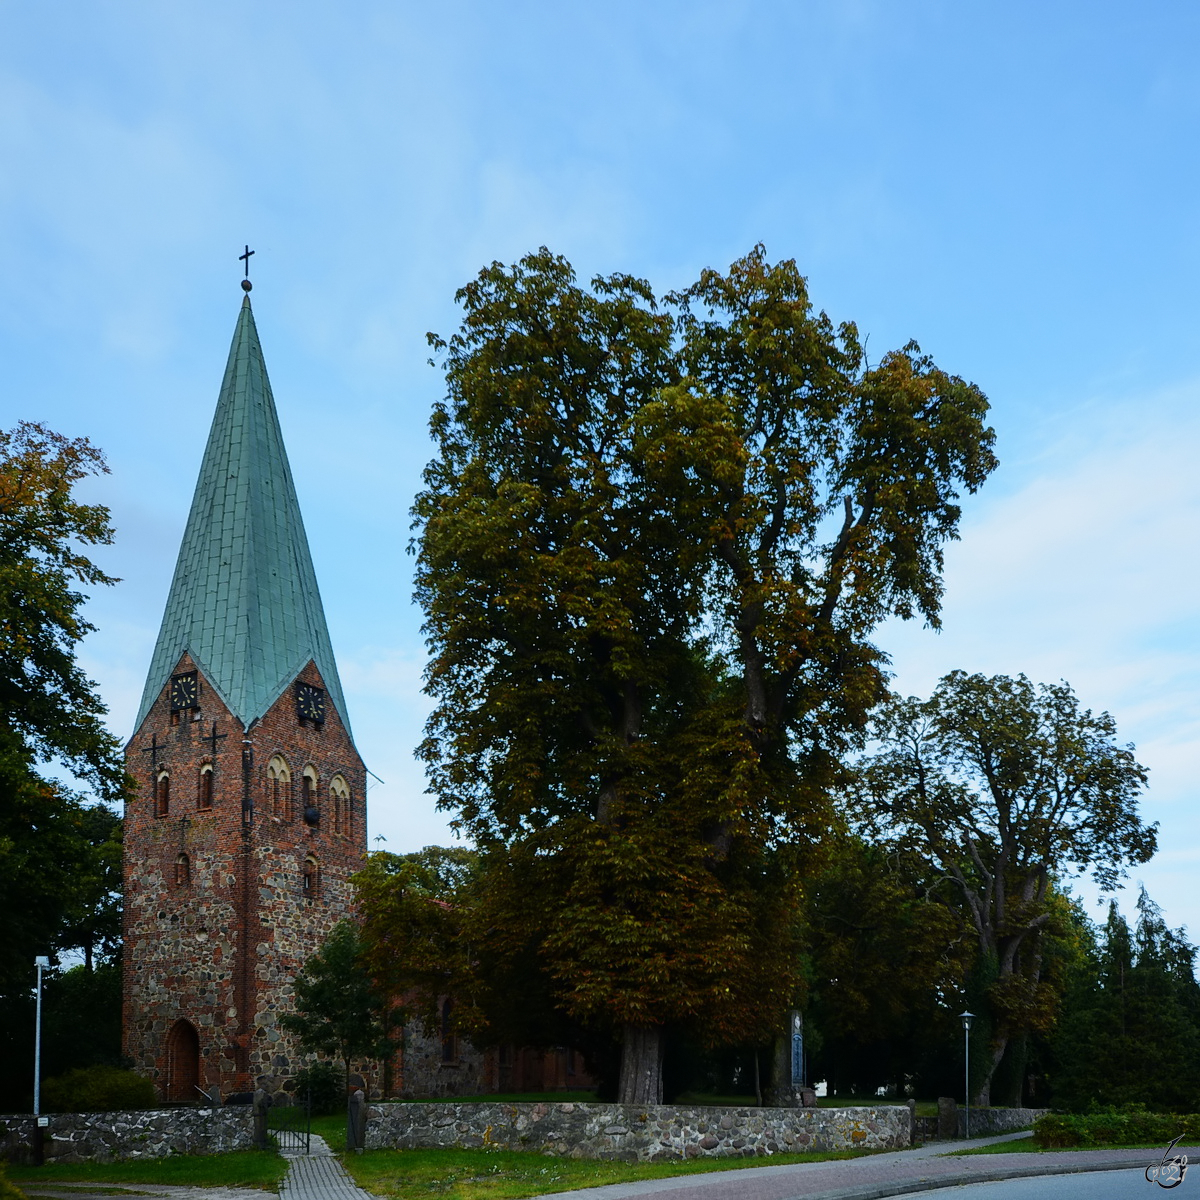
(1085, 570)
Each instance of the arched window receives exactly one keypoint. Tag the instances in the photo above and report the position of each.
(162, 794)
(183, 871)
(204, 798)
(311, 812)
(183, 1063)
(280, 777)
(310, 880)
(449, 1041)
(339, 795)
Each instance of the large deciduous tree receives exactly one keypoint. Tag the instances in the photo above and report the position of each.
(654, 543)
(48, 706)
(1005, 785)
(59, 851)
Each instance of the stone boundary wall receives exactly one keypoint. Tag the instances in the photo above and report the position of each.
(110, 1136)
(634, 1133)
(986, 1122)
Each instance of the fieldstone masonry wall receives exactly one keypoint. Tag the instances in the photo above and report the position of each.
(111, 1136)
(637, 1134)
(212, 947)
(986, 1122)
(427, 1074)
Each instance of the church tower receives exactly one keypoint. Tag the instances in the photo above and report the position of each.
(250, 814)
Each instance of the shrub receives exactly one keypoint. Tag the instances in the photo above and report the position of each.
(8, 1191)
(97, 1089)
(1056, 1130)
(1113, 1126)
(326, 1085)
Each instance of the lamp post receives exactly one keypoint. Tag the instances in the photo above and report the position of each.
(966, 1020)
(41, 962)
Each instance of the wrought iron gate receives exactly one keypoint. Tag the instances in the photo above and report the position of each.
(292, 1126)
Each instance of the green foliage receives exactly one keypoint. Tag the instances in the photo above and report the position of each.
(324, 1086)
(412, 934)
(8, 1189)
(93, 918)
(59, 856)
(1115, 1126)
(81, 1019)
(654, 543)
(1003, 785)
(97, 1089)
(886, 949)
(47, 895)
(339, 1008)
(1130, 1028)
(59, 873)
(49, 707)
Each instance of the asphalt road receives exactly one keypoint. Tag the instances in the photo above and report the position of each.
(927, 1171)
(1096, 1185)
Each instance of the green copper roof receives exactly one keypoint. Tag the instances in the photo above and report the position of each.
(244, 600)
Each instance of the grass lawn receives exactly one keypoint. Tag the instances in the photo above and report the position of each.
(511, 1174)
(242, 1168)
(579, 1097)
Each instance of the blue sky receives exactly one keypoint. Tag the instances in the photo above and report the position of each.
(1012, 184)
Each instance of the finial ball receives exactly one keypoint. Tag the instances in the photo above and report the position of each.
(246, 285)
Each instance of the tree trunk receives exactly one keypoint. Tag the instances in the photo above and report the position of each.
(981, 1082)
(1008, 1080)
(641, 1065)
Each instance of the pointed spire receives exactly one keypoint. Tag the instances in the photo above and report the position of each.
(244, 600)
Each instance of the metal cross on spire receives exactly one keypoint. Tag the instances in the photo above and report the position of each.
(246, 284)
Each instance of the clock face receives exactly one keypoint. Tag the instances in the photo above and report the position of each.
(185, 691)
(310, 703)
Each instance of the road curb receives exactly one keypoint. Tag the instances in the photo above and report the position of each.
(901, 1187)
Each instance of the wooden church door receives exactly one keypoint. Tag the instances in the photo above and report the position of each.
(183, 1063)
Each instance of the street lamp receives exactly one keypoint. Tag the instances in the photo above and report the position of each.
(966, 1020)
(41, 962)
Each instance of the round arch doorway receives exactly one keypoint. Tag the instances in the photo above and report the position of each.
(183, 1063)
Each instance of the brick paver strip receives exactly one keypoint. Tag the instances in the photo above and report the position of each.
(318, 1175)
(876, 1175)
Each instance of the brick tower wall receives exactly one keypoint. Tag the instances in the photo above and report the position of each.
(219, 945)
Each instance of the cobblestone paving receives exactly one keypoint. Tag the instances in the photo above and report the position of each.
(318, 1175)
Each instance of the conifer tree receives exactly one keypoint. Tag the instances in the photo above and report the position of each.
(1129, 1032)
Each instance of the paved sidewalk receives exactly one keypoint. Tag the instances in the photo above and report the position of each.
(878, 1175)
(318, 1175)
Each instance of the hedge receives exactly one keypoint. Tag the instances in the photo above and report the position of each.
(1114, 1127)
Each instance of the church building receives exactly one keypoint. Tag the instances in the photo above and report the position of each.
(250, 811)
